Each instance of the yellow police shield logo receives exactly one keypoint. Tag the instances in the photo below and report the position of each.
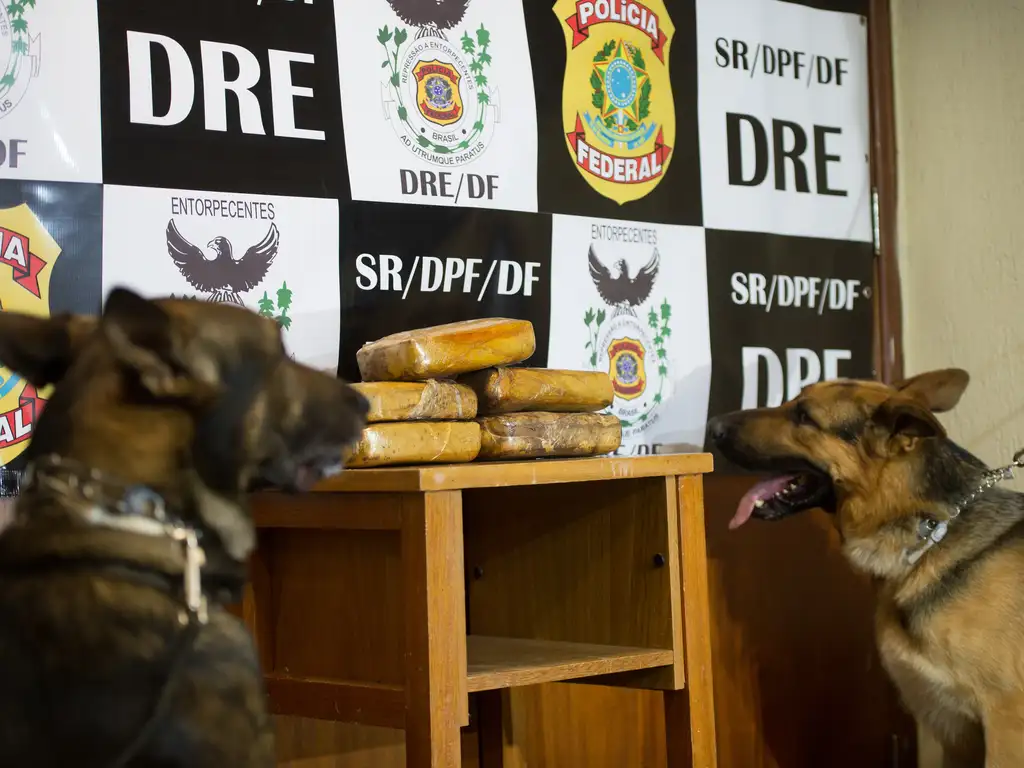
(27, 255)
(617, 108)
(437, 91)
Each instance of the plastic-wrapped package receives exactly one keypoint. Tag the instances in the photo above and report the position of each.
(536, 434)
(510, 390)
(416, 442)
(418, 401)
(444, 351)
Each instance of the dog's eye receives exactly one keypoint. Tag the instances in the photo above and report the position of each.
(847, 434)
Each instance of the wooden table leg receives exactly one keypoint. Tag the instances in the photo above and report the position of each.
(437, 703)
(679, 744)
(695, 716)
(490, 725)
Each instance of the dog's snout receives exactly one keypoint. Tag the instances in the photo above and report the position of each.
(717, 429)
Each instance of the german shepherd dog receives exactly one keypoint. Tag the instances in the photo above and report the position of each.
(132, 530)
(950, 613)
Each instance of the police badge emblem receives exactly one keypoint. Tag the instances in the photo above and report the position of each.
(617, 107)
(27, 256)
(435, 90)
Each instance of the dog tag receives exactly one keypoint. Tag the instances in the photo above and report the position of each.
(195, 559)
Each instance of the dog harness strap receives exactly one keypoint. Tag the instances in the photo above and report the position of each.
(185, 642)
(139, 510)
(193, 618)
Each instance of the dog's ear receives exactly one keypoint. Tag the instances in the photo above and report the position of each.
(41, 349)
(939, 390)
(907, 418)
(145, 339)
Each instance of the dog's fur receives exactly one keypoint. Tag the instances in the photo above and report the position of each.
(198, 402)
(950, 628)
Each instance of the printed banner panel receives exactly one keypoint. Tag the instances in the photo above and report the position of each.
(784, 130)
(49, 91)
(788, 311)
(616, 84)
(405, 267)
(230, 95)
(631, 299)
(859, 7)
(274, 255)
(50, 245)
(491, 148)
(439, 105)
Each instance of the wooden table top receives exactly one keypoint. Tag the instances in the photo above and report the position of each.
(497, 474)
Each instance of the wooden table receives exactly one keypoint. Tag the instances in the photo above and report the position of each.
(390, 596)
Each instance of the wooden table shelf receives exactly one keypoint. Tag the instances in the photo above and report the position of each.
(390, 596)
(503, 662)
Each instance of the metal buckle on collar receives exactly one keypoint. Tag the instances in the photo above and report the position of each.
(932, 529)
(931, 532)
(195, 559)
(143, 501)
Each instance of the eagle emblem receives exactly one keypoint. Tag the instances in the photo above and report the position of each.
(222, 275)
(623, 292)
(431, 17)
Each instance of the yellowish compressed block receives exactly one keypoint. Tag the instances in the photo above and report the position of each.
(415, 401)
(512, 390)
(416, 442)
(445, 351)
(537, 434)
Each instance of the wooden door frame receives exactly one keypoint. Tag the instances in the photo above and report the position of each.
(888, 335)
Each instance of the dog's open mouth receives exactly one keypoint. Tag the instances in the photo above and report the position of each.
(784, 495)
(309, 474)
(296, 476)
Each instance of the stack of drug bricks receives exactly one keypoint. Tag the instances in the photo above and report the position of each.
(447, 394)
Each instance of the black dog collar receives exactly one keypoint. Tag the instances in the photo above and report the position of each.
(137, 509)
(931, 530)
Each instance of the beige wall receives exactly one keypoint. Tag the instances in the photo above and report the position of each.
(959, 73)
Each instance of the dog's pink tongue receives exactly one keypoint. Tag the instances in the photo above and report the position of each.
(763, 491)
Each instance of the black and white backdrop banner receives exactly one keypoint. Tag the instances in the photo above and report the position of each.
(673, 191)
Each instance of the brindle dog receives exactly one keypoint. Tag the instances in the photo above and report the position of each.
(950, 617)
(163, 415)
